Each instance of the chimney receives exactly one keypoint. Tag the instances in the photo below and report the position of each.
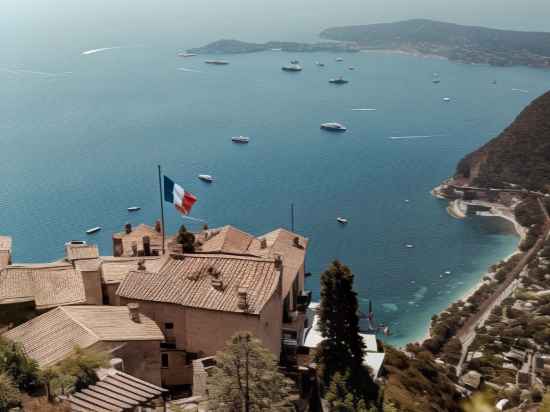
(296, 242)
(141, 264)
(263, 243)
(117, 246)
(242, 303)
(133, 308)
(128, 228)
(134, 249)
(146, 246)
(278, 262)
(158, 226)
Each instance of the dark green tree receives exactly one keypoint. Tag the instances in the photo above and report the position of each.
(342, 350)
(186, 240)
(341, 397)
(79, 369)
(17, 365)
(9, 394)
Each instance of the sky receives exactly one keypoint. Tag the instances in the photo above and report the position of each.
(62, 23)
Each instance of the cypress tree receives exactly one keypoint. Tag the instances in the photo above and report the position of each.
(342, 349)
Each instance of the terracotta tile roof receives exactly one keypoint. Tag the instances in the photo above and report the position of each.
(136, 236)
(115, 270)
(188, 281)
(227, 239)
(75, 252)
(88, 265)
(47, 286)
(51, 337)
(281, 242)
(115, 391)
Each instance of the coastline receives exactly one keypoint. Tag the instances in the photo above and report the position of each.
(456, 210)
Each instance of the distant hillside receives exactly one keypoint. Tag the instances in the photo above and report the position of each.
(226, 46)
(461, 43)
(519, 155)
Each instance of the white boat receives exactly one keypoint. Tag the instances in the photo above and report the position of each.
(338, 80)
(240, 139)
(292, 67)
(277, 49)
(333, 126)
(76, 243)
(339, 59)
(409, 245)
(407, 200)
(446, 99)
(93, 230)
(342, 220)
(217, 62)
(134, 208)
(206, 178)
(448, 272)
(186, 54)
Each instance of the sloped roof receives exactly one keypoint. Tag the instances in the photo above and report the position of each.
(227, 239)
(187, 280)
(136, 236)
(51, 337)
(115, 270)
(47, 286)
(281, 242)
(115, 391)
(75, 252)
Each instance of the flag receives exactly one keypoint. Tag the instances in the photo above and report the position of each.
(174, 193)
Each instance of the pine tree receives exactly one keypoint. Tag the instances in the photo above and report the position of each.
(246, 378)
(342, 350)
(17, 365)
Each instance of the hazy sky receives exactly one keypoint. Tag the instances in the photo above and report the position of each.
(191, 22)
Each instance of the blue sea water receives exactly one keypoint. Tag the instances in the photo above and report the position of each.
(81, 136)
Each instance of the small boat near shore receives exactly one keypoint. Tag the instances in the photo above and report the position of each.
(186, 54)
(240, 139)
(342, 220)
(446, 99)
(333, 127)
(292, 67)
(93, 230)
(217, 62)
(206, 178)
(134, 208)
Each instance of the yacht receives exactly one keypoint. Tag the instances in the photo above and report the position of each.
(93, 230)
(342, 220)
(448, 272)
(446, 99)
(134, 208)
(436, 81)
(217, 62)
(338, 80)
(292, 67)
(206, 178)
(409, 245)
(186, 54)
(333, 126)
(240, 139)
(339, 59)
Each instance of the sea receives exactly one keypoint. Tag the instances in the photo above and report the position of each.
(83, 128)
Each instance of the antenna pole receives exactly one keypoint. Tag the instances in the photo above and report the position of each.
(161, 209)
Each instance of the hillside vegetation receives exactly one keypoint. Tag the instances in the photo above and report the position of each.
(520, 155)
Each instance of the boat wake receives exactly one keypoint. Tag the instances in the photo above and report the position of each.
(35, 72)
(102, 49)
(415, 137)
(184, 69)
(364, 110)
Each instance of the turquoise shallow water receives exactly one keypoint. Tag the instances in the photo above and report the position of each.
(81, 136)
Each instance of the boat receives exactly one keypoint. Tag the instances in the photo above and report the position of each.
(339, 59)
(206, 178)
(338, 80)
(134, 208)
(446, 99)
(436, 81)
(277, 49)
(351, 68)
(407, 200)
(333, 126)
(76, 243)
(342, 220)
(409, 245)
(217, 62)
(448, 272)
(320, 64)
(93, 230)
(186, 54)
(240, 139)
(292, 67)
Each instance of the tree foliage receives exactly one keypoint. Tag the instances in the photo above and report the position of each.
(76, 372)
(17, 365)
(246, 374)
(9, 394)
(342, 350)
(186, 239)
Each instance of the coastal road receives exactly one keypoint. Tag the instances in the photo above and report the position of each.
(466, 333)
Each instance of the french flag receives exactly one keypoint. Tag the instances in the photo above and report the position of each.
(174, 193)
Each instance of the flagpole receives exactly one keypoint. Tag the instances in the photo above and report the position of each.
(161, 209)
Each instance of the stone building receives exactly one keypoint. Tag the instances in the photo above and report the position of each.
(121, 331)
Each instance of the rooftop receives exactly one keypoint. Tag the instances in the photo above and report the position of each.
(76, 252)
(206, 281)
(51, 337)
(115, 269)
(48, 286)
(135, 237)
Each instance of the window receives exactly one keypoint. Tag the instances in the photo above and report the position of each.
(164, 360)
(168, 326)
